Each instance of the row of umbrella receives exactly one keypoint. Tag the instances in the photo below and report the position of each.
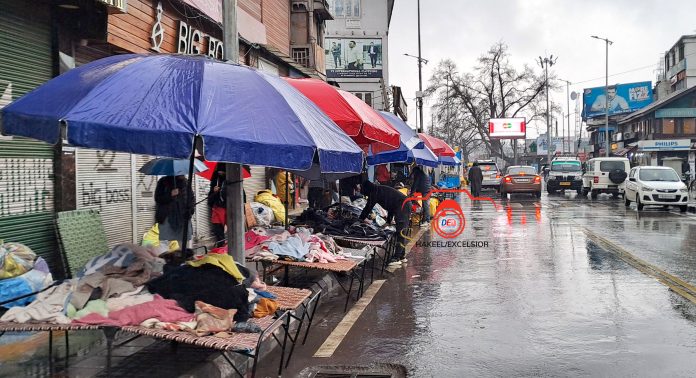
(174, 105)
(162, 104)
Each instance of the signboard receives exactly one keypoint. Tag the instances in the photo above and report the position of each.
(507, 128)
(353, 58)
(542, 145)
(675, 113)
(622, 98)
(665, 145)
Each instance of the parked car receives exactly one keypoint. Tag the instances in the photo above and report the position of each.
(521, 179)
(565, 173)
(652, 185)
(491, 174)
(605, 175)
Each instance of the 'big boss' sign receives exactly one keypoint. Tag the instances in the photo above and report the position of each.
(194, 42)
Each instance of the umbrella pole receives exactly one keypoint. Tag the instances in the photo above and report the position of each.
(287, 195)
(184, 240)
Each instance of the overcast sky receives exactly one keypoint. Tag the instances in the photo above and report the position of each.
(463, 30)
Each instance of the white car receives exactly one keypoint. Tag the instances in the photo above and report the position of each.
(651, 185)
(605, 175)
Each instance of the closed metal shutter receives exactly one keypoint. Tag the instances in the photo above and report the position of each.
(104, 183)
(202, 230)
(26, 167)
(255, 183)
(144, 197)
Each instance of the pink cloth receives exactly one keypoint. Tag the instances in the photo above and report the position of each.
(164, 310)
(253, 238)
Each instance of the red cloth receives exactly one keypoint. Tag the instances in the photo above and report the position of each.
(383, 175)
(164, 310)
(252, 239)
(218, 215)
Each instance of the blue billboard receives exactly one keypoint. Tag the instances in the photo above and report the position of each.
(622, 98)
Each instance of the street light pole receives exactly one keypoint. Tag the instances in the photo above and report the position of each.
(567, 112)
(607, 42)
(420, 71)
(419, 94)
(545, 63)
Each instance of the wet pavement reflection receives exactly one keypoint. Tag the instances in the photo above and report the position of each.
(542, 299)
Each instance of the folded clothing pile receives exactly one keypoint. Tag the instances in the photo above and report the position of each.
(21, 273)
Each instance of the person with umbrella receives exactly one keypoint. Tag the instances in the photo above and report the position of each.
(175, 205)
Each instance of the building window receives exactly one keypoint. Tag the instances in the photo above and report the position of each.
(301, 55)
(681, 52)
(345, 8)
(365, 96)
(668, 126)
(689, 126)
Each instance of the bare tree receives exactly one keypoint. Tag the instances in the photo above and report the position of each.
(464, 103)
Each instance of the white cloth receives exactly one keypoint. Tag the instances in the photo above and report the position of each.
(354, 55)
(49, 306)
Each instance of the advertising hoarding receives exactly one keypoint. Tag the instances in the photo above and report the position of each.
(542, 145)
(623, 98)
(353, 58)
(507, 128)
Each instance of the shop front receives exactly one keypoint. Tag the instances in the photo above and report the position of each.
(675, 153)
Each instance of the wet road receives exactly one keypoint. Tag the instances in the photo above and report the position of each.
(544, 298)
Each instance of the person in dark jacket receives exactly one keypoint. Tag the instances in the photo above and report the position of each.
(217, 196)
(475, 180)
(174, 207)
(393, 202)
(421, 184)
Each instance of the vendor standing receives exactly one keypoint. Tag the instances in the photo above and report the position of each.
(175, 206)
(421, 184)
(217, 195)
(394, 202)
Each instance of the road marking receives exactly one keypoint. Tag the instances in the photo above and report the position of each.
(329, 346)
(677, 285)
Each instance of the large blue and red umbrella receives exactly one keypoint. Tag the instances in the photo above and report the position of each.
(159, 104)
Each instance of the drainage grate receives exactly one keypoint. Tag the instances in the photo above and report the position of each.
(355, 371)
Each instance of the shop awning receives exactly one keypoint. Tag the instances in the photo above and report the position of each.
(450, 160)
(625, 151)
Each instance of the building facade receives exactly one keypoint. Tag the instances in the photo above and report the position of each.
(679, 68)
(356, 48)
(663, 133)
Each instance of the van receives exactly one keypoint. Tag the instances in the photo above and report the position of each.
(605, 175)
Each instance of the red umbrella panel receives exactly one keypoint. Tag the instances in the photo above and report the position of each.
(437, 145)
(357, 119)
(208, 174)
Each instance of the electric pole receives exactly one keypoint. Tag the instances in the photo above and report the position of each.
(545, 63)
(607, 42)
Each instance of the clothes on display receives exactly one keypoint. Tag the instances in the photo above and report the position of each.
(15, 259)
(49, 306)
(38, 278)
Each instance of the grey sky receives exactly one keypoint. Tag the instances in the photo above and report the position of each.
(462, 30)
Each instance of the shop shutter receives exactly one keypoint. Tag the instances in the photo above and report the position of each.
(26, 166)
(144, 197)
(104, 183)
(256, 182)
(202, 229)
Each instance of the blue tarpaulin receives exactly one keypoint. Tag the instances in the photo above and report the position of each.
(158, 104)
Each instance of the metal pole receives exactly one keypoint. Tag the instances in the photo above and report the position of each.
(419, 100)
(548, 122)
(607, 147)
(187, 214)
(568, 114)
(235, 189)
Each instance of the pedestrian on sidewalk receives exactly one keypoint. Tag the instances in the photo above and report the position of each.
(394, 202)
(174, 207)
(475, 179)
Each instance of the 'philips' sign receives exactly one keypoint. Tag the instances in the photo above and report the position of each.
(665, 145)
